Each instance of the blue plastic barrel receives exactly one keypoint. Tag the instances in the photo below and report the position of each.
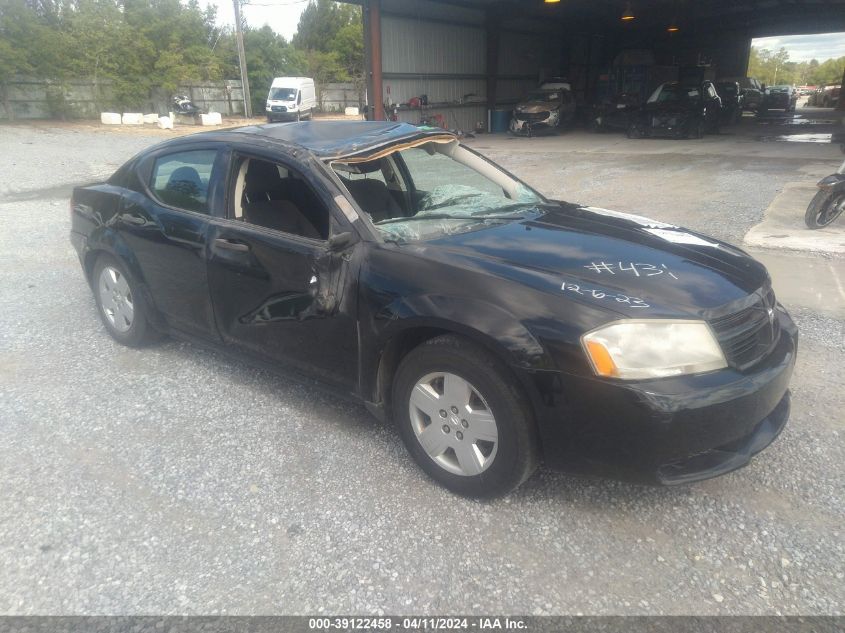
(500, 120)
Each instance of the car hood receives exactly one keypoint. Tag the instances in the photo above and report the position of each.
(537, 106)
(668, 107)
(609, 260)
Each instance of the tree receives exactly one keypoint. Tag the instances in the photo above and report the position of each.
(331, 34)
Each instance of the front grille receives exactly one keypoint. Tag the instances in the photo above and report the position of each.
(278, 108)
(665, 120)
(749, 334)
(532, 116)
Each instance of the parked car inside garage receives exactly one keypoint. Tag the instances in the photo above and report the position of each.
(751, 91)
(731, 95)
(781, 97)
(547, 108)
(678, 111)
(615, 114)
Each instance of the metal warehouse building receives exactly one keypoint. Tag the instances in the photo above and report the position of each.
(452, 61)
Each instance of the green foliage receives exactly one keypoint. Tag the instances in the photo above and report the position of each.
(331, 34)
(774, 67)
(134, 48)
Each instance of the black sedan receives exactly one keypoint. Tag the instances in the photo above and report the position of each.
(679, 111)
(494, 327)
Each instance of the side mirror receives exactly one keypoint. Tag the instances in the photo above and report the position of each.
(340, 241)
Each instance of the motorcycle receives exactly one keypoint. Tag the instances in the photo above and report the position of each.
(829, 202)
(182, 104)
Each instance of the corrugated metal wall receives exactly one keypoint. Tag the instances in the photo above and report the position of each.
(418, 46)
(440, 50)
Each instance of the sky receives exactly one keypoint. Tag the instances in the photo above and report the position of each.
(281, 15)
(803, 48)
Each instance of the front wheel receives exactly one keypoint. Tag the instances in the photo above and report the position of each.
(463, 418)
(824, 208)
(636, 130)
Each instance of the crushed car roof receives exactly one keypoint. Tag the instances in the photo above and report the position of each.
(330, 139)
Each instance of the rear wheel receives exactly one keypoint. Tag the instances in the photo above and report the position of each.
(824, 208)
(122, 308)
(463, 419)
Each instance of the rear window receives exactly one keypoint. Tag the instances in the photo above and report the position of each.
(181, 180)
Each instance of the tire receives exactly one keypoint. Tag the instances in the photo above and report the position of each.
(269, 119)
(485, 393)
(635, 130)
(121, 307)
(824, 208)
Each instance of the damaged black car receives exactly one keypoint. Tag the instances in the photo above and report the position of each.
(678, 110)
(495, 328)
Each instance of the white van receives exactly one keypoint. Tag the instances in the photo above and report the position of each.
(291, 99)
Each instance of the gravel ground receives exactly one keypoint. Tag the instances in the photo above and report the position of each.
(176, 480)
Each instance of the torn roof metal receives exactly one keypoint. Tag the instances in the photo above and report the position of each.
(341, 139)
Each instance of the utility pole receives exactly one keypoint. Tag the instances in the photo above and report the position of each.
(242, 59)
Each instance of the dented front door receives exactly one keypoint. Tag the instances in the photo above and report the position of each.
(283, 298)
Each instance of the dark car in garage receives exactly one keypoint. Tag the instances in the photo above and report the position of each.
(494, 327)
(751, 91)
(678, 110)
(614, 113)
(783, 97)
(730, 94)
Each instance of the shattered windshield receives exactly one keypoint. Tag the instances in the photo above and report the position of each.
(282, 94)
(673, 93)
(436, 189)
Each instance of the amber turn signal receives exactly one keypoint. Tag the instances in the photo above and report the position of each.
(602, 362)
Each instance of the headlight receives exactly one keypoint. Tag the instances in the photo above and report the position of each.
(652, 348)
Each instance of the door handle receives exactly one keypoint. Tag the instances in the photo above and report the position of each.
(231, 245)
(131, 218)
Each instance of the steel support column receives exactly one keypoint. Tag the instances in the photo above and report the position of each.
(492, 29)
(376, 94)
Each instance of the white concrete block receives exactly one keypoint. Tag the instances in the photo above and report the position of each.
(165, 123)
(351, 111)
(150, 118)
(212, 118)
(133, 118)
(110, 118)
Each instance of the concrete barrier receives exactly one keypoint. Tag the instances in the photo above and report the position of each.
(110, 118)
(132, 118)
(212, 118)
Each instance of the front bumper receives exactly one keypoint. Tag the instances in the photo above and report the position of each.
(519, 125)
(669, 431)
(281, 116)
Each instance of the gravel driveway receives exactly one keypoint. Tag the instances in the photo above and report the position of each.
(177, 480)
